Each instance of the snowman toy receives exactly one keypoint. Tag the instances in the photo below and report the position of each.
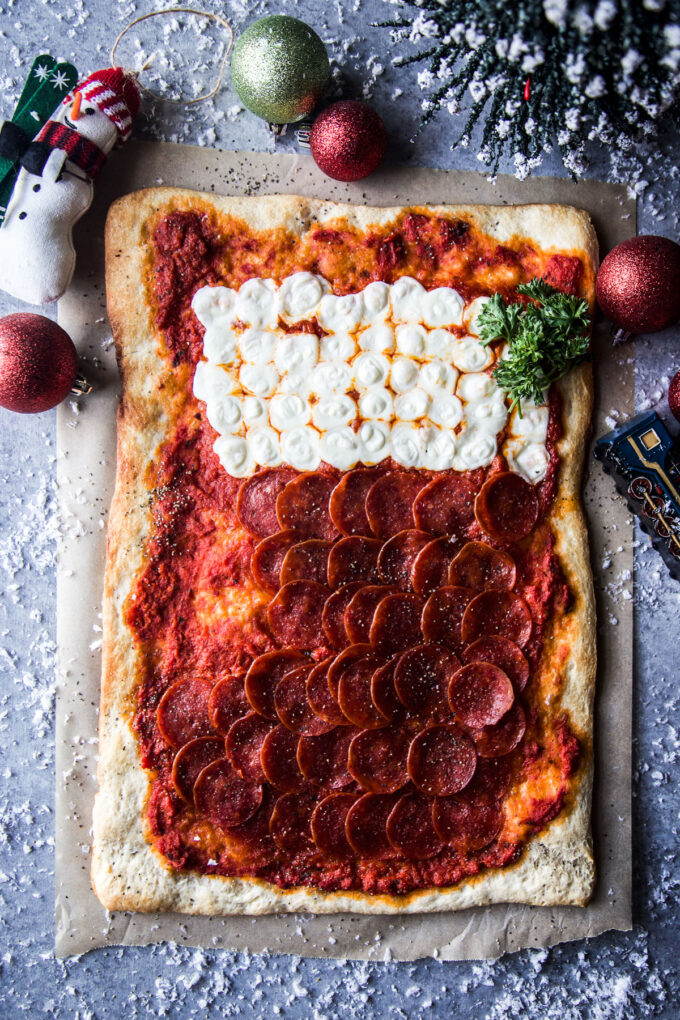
(55, 184)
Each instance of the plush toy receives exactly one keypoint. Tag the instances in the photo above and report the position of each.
(54, 186)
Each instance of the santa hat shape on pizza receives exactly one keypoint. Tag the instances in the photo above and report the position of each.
(116, 94)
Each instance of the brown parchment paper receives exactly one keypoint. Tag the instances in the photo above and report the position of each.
(86, 468)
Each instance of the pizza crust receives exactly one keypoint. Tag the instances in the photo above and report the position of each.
(557, 866)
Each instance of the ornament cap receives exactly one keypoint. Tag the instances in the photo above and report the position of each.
(81, 387)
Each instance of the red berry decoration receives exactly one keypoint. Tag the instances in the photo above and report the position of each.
(638, 285)
(674, 395)
(38, 363)
(348, 140)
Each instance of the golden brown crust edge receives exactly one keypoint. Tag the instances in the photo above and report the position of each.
(127, 873)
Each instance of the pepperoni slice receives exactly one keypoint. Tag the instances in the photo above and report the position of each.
(354, 559)
(505, 736)
(389, 503)
(480, 694)
(479, 566)
(446, 506)
(347, 504)
(410, 828)
(490, 781)
(396, 624)
(295, 614)
(507, 507)
(500, 612)
(289, 823)
(441, 760)
(190, 762)
(244, 744)
(306, 561)
(333, 616)
(383, 692)
(354, 694)
(323, 759)
(292, 706)
(263, 676)
(328, 825)
(183, 712)
(224, 797)
(502, 653)
(256, 500)
(397, 556)
(254, 841)
(319, 695)
(279, 760)
(360, 612)
(377, 759)
(227, 703)
(466, 825)
(267, 559)
(341, 662)
(430, 569)
(422, 678)
(366, 825)
(443, 616)
(304, 505)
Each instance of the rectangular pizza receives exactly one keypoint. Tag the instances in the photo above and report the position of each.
(349, 631)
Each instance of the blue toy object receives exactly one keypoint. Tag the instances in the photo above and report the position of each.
(645, 462)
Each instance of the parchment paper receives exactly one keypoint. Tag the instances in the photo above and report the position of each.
(86, 466)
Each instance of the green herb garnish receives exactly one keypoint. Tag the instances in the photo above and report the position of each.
(546, 338)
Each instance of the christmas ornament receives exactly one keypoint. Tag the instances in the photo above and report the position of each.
(638, 285)
(348, 140)
(38, 363)
(674, 396)
(54, 186)
(599, 70)
(280, 69)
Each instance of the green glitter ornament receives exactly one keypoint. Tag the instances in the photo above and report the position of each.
(280, 69)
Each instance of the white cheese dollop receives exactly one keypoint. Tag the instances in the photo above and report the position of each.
(214, 306)
(469, 355)
(370, 370)
(330, 377)
(404, 374)
(437, 377)
(289, 411)
(375, 441)
(408, 300)
(407, 445)
(300, 295)
(475, 385)
(379, 339)
(439, 449)
(376, 402)
(340, 314)
(411, 340)
(296, 351)
(220, 345)
(300, 448)
(471, 312)
(264, 446)
(257, 304)
(376, 302)
(234, 456)
(334, 411)
(533, 424)
(474, 448)
(439, 344)
(411, 405)
(260, 380)
(212, 381)
(340, 447)
(337, 347)
(257, 346)
(225, 413)
(443, 306)
(528, 458)
(446, 409)
(255, 411)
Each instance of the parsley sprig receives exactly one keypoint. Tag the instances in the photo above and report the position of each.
(546, 337)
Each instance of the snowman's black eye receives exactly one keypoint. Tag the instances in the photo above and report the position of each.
(89, 109)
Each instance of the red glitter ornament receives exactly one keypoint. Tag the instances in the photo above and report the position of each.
(674, 395)
(348, 140)
(38, 363)
(638, 284)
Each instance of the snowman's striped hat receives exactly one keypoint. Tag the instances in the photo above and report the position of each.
(116, 94)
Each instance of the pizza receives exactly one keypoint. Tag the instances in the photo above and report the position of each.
(349, 652)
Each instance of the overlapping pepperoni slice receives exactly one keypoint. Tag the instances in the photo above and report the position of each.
(295, 614)
(377, 759)
(256, 500)
(389, 503)
(191, 760)
(360, 612)
(507, 507)
(346, 658)
(422, 677)
(263, 676)
(366, 825)
(446, 506)
(466, 825)
(267, 559)
(480, 566)
(480, 694)
(354, 559)
(499, 612)
(354, 693)
(306, 561)
(293, 707)
(323, 759)
(410, 828)
(244, 745)
(253, 836)
(224, 797)
(347, 504)
(397, 556)
(328, 825)
(441, 760)
(227, 702)
(443, 616)
(183, 712)
(491, 780)
(303, 505)
(383, 691)
(430, 569)
(396, 623)
(290, 821)
(503, 653)
(320, 697)
(333, 616)
(278, 756)
(502, 738)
